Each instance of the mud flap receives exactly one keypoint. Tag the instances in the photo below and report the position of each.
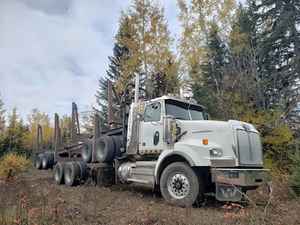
(227, 192)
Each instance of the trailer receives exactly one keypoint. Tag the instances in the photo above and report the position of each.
(168, 144)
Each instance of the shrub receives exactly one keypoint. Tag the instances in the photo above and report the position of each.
(12, 164)
(277, 137)
(295, 175)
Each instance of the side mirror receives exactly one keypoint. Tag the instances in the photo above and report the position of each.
(169, 127)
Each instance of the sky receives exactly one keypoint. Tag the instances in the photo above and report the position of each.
(53, 52)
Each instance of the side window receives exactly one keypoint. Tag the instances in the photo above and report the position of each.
(152, 112)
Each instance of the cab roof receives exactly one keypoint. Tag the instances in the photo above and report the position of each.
(175, 98)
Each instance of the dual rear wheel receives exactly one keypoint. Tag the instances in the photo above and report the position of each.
(44, 160)
(70, 173)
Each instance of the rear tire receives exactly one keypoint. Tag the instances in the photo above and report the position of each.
(179, 184)
(74, 173)
(105, 149)
(87, 152)
(59, 173)
(38, 162)
(45, 162)
(70, 174)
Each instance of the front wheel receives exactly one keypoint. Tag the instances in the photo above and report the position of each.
(179, 185)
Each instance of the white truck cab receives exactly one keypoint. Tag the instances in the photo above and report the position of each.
(172, 145)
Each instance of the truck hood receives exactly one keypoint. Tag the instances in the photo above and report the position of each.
(233, 137)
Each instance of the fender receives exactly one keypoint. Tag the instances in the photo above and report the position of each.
(167, 154)
(194, 154)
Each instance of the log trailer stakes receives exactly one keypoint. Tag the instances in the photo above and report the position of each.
(166, 143)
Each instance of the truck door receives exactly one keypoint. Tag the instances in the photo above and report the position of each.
(151, 130)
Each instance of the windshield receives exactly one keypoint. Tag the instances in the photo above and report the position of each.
(184, 111)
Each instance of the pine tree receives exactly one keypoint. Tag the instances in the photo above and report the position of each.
(15, 133)
(208, 87)
(112, 74)
(243, 64)
(279, 50)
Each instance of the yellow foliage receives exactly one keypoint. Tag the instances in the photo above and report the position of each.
(277, 138)
(280, 135)
(12, 164)
(35, 118)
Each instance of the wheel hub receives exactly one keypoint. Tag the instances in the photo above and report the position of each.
(178, 186)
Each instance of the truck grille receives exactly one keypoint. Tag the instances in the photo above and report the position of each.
(249, 147)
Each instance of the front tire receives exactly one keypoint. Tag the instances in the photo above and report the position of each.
(179, 184)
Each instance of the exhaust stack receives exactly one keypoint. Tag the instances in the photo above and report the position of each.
(137, 88)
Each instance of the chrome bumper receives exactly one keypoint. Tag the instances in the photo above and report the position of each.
(230, 183)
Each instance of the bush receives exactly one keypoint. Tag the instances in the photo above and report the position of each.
(295, 175)
(12, 164)
(277, 137)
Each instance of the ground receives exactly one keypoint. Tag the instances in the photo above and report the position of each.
(33, 198)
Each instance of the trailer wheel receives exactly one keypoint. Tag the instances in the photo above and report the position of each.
(38, 162)
(74, 172)
(105, 149)
(179, 184)
(45, 161)
(59, 173)
(71, 173)
(87, 152)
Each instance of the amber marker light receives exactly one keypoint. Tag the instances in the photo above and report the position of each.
(205, 141)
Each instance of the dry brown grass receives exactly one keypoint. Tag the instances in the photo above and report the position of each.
(34, 199)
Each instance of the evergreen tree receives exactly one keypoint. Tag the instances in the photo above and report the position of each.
(208, 87)
(243, 62)
(15, 134)
(279, 50)
(112, 75)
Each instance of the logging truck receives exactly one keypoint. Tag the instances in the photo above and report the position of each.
(168, 144)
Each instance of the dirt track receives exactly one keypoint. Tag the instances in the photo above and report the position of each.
(35, 197)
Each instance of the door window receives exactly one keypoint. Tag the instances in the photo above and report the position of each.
(152, 112)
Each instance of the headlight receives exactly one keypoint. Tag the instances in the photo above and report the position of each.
(216, 152)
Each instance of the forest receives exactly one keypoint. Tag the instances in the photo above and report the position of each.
(241, 61)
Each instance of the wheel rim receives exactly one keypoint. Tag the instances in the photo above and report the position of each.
(178, 186)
